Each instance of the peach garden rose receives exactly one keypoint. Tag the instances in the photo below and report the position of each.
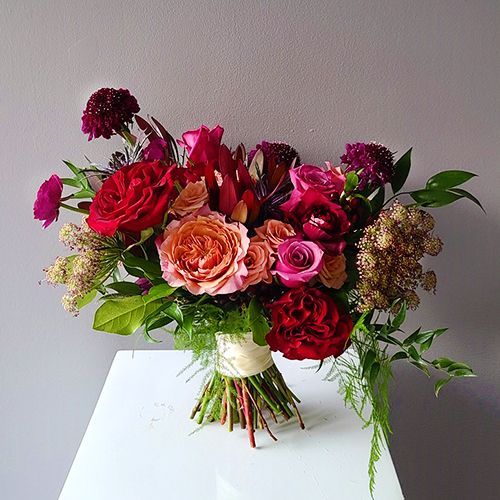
(333, 273)
(274, 233)
(190, 199)
(258, 261)
(204, 253)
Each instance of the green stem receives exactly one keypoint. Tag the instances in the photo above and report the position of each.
(74, 209)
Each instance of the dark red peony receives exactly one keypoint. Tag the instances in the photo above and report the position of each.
(108, 111)
(319, 218)
(134, 198)
(308, 324)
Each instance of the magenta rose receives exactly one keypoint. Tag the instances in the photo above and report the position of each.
(327, 181)
(48, 200)
(320, 219)
(202, 144)
(298, 262)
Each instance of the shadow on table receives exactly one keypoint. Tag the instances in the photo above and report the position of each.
(446, 448)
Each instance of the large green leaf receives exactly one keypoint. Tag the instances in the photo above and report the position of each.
(125, 288)
(448, 179)
(401, 171)
(434, 198)
(124, 315)
(257, 321)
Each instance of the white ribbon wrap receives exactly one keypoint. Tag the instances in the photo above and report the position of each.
(241, 357)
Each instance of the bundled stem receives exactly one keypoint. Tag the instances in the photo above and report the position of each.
(247, 401)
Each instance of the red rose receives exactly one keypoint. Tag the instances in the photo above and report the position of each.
(134, 198)
(202, 144)
(308, 324)
(320, 219)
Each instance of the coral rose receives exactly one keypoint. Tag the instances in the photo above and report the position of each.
(274, 233)
(190, 199)
(258, 262)
(333, 273)
(308, 324)
(204, 253)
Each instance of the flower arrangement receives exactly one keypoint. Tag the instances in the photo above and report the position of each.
(251, 253)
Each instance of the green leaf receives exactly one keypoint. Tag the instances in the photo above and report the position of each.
(368, 360)
(377, 202)
(399, 355)
(442, 363)
(400, 316)
(257, 322)
(351, 181)
(140, 267)
(374, 371)
(125, 288)
(401, 171)
(160, 291)
(163, 316)
(469, 196)
(413, 353)
(433, 198)
(448, 179)
(440, 384)
(86, 299)
(80, 176)
(429, 334)
(411, 338)
(123, 315)
(421, 366)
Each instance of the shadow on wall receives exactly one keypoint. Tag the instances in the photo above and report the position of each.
(446, 448)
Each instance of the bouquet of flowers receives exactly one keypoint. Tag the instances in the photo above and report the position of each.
(248, 253)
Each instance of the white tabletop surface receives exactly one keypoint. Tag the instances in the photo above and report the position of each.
(139, 443)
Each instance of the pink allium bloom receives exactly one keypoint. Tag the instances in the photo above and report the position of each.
(204, 253)
(328, 181)
(48, 200)
(298, 262)
(202, 144)
(155, 150)
(107, 112)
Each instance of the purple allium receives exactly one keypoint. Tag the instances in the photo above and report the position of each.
(278, 151)
(107, 112)
(48, 200)
(373, 162)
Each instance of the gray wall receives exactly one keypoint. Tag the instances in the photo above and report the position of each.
(316, 74)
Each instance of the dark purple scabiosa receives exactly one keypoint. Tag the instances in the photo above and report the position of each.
(108, 111)
(278, 151)
(373, 162)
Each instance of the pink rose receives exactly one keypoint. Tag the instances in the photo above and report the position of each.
(258, 261)
(298, 262)
(328, 182)
(202, 144)
(204, 253)
(48, 200)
